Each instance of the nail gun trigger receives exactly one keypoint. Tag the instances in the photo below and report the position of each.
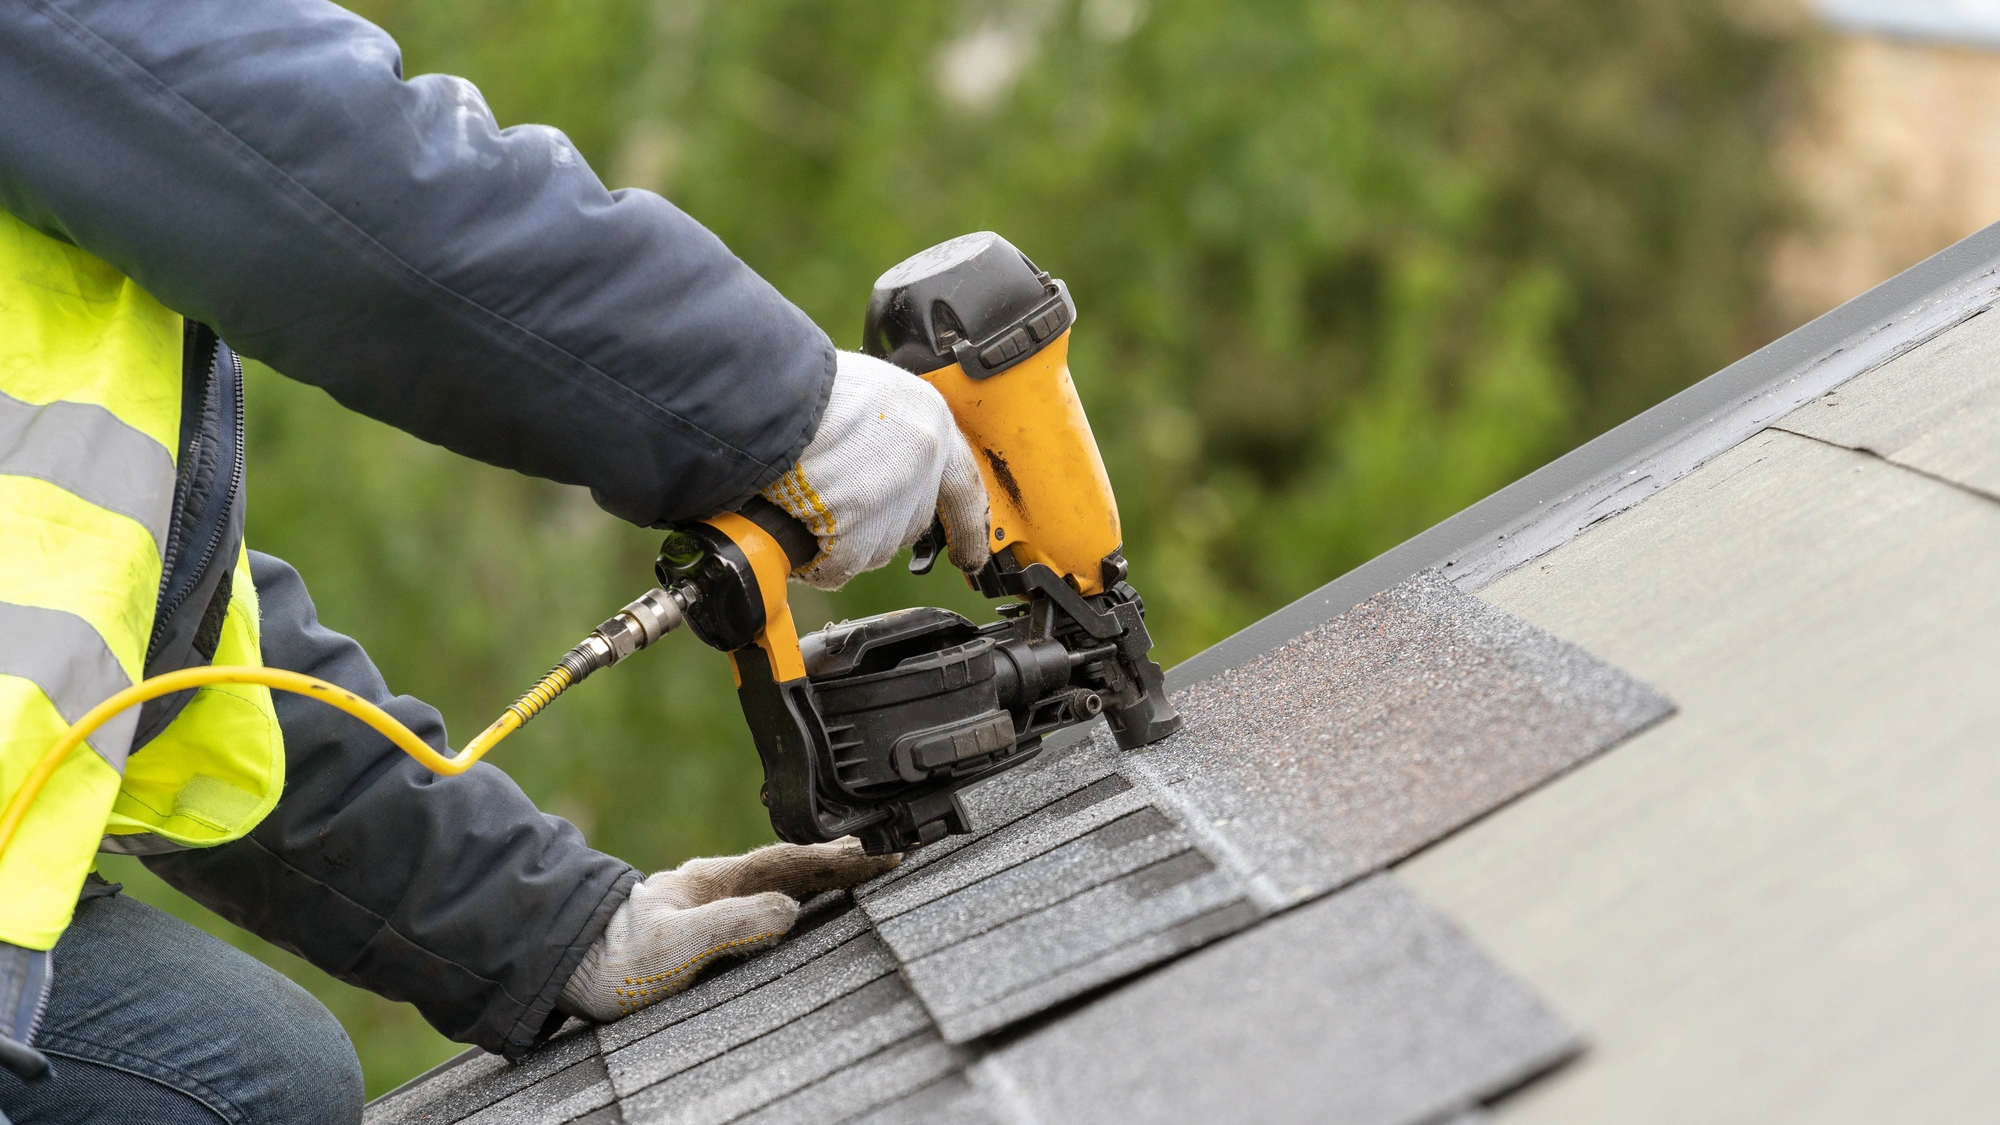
(924, 553)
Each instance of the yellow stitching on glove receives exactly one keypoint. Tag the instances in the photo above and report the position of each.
(794, 487)
(694, 962)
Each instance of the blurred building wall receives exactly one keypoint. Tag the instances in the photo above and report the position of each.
(1898, 154)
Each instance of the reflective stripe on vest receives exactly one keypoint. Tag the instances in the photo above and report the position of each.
(90, 401)
(219, 767)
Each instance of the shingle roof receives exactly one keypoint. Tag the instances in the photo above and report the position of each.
(970, 977)
(1362, 1006)
(1778, 905)
(1204, 930)
(1300, 772)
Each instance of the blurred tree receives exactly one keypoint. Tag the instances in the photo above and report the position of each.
(1343, 266)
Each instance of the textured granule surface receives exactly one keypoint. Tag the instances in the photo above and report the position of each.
(1312, 766)
(1379, 1010)
(1378, 732)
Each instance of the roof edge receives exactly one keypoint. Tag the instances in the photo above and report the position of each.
(1625, 465)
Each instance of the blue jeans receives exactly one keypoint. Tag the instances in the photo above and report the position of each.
(150, 1020)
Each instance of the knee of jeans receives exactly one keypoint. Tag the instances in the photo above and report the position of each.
(289, 1059)
(139, 989)
(296, 1065)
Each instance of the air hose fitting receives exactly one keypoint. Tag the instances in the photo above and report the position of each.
(655, 614)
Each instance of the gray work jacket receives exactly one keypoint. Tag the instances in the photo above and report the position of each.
(261, 167)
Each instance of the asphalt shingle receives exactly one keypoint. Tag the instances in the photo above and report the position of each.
(476, 1080)
(566, 1095)
(985, 982)
(1132, 841)
(949, 1101)
(1314, 765)
(754, 1075)
(1365, 1008)
(897, 1079)
(1377, 733)
(850, 967)
(1348, 746)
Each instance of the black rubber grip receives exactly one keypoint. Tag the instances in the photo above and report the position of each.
(800, 545)
(26, 1062)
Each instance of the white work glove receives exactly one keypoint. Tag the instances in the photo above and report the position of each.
(678, 922)
(885, 458)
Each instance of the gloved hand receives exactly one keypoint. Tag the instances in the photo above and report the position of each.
(678, 922)
(885, 458)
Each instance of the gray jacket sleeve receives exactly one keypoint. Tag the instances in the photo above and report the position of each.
(262, 166)
(453, 893)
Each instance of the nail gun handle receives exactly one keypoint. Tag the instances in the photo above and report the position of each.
(737, 565)
(791, 534)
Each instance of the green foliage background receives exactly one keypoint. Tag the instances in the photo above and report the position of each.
(1344, 267)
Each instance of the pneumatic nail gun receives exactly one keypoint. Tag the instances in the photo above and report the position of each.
(873, 727)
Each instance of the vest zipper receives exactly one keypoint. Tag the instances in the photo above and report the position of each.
(221, 530)
(191, 456)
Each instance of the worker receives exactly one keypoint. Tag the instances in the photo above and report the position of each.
(184, 183)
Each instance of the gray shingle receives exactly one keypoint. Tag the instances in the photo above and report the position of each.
(565, 1095)
(1328, 758)
(948, 1101)
(1384, 1031)
(985, 982)
(1365, 1007)
(847, 968)
(1072, 761)
(917, 1063)
(1156, 947)
(757, 1073)
(994, 861)
(1124, 845)
(1375, 734)
(476, 1080)
(1296, 774)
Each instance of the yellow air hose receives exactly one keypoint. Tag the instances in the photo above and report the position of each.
(636, 626)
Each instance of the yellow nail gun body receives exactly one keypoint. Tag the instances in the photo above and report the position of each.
(872, 727)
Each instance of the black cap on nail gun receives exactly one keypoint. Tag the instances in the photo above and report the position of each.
(975, 301)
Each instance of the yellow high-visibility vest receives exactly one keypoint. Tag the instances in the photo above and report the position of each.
(90, 415)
